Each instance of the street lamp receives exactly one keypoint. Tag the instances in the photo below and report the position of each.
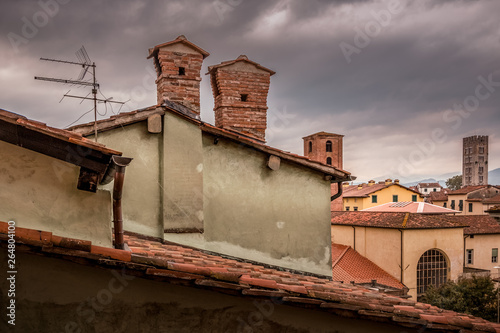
(498, 293)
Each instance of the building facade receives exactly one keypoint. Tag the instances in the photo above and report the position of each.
(475, 161)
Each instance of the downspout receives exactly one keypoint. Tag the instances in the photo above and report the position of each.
(354, 237)
(339, 193)
(120, 164)
(465, 246)
(407, 215)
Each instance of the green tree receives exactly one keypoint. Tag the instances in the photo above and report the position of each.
(454, 183)
(476, 296)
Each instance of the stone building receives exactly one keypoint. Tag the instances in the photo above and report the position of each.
(475, 161)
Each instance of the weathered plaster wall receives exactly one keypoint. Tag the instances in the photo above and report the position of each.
(39, 192)
(482, 246)
(283, 213)
(54, 295)
(183, 174)
(142, 188)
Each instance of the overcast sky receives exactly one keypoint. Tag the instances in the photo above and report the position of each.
(389, 75)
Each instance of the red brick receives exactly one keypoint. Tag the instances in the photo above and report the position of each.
(112, 253)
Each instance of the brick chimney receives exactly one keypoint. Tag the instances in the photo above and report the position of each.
(178, 66)
(240, 89)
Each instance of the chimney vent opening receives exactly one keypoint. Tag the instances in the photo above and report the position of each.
(182, 71)
(244, 97)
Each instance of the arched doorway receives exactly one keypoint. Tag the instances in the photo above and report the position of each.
(432, 269)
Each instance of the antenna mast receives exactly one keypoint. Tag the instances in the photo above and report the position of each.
(86, 64)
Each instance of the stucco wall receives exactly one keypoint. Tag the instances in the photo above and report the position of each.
(284, 214)
(141, 201)
(54, 295)
(183, 174)
(383, 247)
(383, 196)
(39, 192)
(482, 246)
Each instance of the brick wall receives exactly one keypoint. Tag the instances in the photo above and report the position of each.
(240, 98)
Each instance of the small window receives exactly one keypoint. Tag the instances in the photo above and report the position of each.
(329, 146)
(470, 207)
(481, 150)
(347, 208)
(434, 190)
(445, 204)
(182, 71)
(414, 198)
(469, 256)
(452, 206)
(425, 190)
(481, 169)
(461, 205)
(481, 179)
(494, 255)
(329, 161)
(481, 158)
(244, 97)
(374, 199)
(310, 146)
(355, 209)
(394, 198)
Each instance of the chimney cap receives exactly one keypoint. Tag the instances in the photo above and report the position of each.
(240, 58)
(180, 39)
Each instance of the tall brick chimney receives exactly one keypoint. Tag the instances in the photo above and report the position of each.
(178, 66)
(240, 89)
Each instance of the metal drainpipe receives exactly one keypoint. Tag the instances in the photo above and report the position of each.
(339, 193)
(354, 237)
(120, 164)
(401, 254)
(465, 247)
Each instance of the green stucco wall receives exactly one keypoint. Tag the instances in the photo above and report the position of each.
(141, 200)
(183, 174)
(284, 214)
(53, 295)
(39, 192)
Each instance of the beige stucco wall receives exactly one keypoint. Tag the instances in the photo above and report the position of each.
(39, 192)
(183, 171)
(383, 247)
(284, 214)
(383, 196)
(54, 295)
(141, 202)
(482, 246)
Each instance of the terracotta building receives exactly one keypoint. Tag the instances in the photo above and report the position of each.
(475, 161)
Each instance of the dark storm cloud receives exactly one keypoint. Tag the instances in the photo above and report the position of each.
(394, 91)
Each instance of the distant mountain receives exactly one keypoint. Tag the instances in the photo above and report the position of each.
(493, 178)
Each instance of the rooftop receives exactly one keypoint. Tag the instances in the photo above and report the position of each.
(411, 207)
(481, 224)
(172, 263)
(428, 185)
(397, 220)
(241, 58)
(439, 195)
(350, 266)
(364, 190)
(467, 189)
(127, 118)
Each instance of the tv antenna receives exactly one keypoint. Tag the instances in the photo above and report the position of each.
(87, 65)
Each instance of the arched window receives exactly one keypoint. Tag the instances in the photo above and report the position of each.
(310, 146)
(328, 146)
(432, 269)
(329, 160)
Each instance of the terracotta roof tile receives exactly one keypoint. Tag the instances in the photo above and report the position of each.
(397, 220)
(467, 189)
(255, 280)
(363, 191)
(241, 58)
(411, 207)
(481, 224)
(348, 265)
(438, 196)
(428, 185)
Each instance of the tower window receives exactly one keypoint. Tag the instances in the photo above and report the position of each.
(244, 97)
(481, 150)
(182, 71)
(310, 146)
(329, 161)
(328, 146)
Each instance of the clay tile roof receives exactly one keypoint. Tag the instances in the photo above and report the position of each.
(481, 224)
(438, 196)
(322, 133)
(171, 263)
(348, 265)
(493, 200)
(354, 191)
(411, 207)
(467, 189)
(397, 220)
(180, 39)
(132, 117)
(241, 58)
(428, 185)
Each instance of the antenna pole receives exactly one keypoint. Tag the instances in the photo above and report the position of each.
(94, 92)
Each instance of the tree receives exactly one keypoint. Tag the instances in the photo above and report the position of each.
(476, 296)
(454, 183)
